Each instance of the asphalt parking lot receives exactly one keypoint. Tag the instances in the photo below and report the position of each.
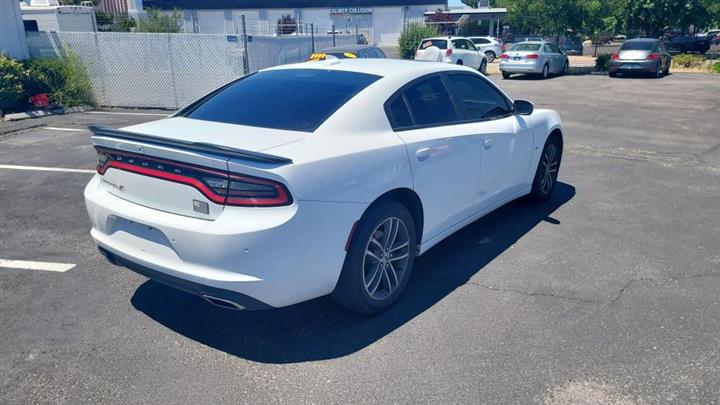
(607, 293)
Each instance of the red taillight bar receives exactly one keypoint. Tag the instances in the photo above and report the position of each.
(614, 56)
(504, 56)
(532, 56)
(653, 56)
(448, 52)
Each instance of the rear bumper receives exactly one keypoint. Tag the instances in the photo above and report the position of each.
(510, 67)
(275, 256)
(633, 66)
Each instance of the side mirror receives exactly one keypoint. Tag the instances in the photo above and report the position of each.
(523, 107)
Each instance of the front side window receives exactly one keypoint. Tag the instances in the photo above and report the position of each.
(480, 41)
(478, 99)
(290, 99)
(430, 103)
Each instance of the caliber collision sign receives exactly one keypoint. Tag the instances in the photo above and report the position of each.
(351, 10)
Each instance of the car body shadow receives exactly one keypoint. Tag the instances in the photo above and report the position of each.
(319, 329)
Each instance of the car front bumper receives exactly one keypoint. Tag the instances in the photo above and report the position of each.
(521, 66)
(633, 66)
(256, 257)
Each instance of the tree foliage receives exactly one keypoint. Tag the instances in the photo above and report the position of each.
(411, 36)
(155, 20)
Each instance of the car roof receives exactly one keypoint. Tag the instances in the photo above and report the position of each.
(446, 38)
(642, 40)
(345, 48)
(379, 67)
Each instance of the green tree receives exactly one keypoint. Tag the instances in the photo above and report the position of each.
(411, 36)
(155, 20)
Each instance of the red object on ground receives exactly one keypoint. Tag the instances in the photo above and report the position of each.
(40, 100)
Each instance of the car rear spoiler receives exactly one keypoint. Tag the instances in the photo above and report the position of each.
(101, 130)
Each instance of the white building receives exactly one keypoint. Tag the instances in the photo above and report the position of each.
(12, 31)
(381, 20)
(49, 15)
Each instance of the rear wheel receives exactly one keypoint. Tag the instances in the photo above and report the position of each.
(612, 74)
(545, 72)
(483, 67)
(459, 62)
(505, 75)
(490, 55)
(566, 68)
(379, 260)
(547, 170)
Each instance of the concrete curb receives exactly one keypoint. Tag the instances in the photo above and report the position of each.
(43, 113)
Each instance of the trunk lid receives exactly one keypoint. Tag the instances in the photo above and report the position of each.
(180, 165)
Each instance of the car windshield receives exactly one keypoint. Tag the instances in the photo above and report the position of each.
(638, 46)
(440, 43)
(291, 99)
(525, 47)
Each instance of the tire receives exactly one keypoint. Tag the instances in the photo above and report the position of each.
(545, 71)
(459, 62)
(483, 67)
(667, 68)
(658, 71)
(374, 276)
(490, 55)
(565, 69)
(612, 74)
(505, 75)
(552, 151)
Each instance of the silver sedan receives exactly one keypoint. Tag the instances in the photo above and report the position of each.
(536, 57)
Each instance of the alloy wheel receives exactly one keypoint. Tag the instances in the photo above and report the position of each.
(550, 166)
(386, 258)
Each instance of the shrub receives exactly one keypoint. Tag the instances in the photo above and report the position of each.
(12, 76)
(689, 61)
(716, 67)
(65, 77)
(601, 63)
(411, 36)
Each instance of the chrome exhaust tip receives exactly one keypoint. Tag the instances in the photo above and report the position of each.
(223, 303)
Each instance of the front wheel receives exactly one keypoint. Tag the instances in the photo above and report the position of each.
(547, 170)
(379, 261)
(483, 67)
(505, 75)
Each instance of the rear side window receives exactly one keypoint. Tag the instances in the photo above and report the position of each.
(478, 99)
(480, 41)
(400, 113)
(439, 43)
(291, 99)
(638, 46)
(430, 103)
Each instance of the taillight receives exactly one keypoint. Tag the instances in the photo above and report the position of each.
(504, 56)
(219, 187)
(448, 52)
(532, 56)
(614, 56)
(653, 56)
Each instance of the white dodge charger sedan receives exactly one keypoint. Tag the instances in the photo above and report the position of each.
(321, 178)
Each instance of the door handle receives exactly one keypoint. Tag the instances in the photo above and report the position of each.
(422, 154)
(488, 143)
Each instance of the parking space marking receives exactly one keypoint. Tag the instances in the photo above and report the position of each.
(126, 113)
(44, 266)
(46, 169)
(65, 129)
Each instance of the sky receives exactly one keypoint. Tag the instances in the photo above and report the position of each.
(454, 3)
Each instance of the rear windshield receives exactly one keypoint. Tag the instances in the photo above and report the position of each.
(525, 47)
(638, 46)
(292, 99)
(440, 43)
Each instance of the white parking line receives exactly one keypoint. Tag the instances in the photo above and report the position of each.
(46, 169)
(44, 266)
(126, 113)
(65, 129)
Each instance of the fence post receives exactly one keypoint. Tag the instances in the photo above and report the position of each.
(246, 58)
(172, 70)
(333, 31)
(312, 36)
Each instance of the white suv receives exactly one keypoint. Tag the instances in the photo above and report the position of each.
(457, 50)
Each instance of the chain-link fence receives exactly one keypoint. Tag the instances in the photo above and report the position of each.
(172, 70)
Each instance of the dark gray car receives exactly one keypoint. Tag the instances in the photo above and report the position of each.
(641, 55)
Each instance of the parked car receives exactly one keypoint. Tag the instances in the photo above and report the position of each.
(688, 44)
(571, 45)
(542, 58)
(640, 55)
(457, 50)
(490, 46)
(347, 51)
(305, 180)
